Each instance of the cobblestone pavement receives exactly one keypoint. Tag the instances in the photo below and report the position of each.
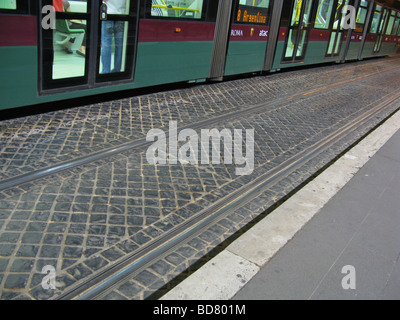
(88, 218)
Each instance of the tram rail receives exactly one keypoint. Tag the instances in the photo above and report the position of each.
(295, 158)
(100, 285)
(141, 143)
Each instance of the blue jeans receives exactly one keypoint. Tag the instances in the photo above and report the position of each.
(110, 29)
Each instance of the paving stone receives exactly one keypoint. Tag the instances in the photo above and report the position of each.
(16, 281)
(82, 218)
(22, 265)
(130, 289)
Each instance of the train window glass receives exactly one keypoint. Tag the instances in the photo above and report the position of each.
(339, 17)
(396, 27)
(361, 16)
(324, 14)
(188, 9)
(69, 42)
(300, 19)
(286, 13)
(253, 11)
(391, 23)
(383, 20)
(212, 11)
(296, 14)
(69, 59)
(364, 3)
(375, 20)
(114, 49)
(71, 6)
(8, 4)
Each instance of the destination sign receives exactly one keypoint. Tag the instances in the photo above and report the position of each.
(250, 14)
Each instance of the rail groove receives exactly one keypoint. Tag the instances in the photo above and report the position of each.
(42, 173)
(98, 286)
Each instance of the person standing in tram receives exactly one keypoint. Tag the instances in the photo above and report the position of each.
(110, 30)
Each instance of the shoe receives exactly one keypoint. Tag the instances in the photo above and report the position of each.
(81, 53)
(67, 50)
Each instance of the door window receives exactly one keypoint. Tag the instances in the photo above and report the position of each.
(8, 4)
(297, 38)
(324, 14)
(70, 40)
(337, 34)
(376, 19)
(114, 37)
(391, 23)
(186, 9)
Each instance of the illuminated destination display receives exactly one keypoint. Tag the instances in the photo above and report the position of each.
(249, 14)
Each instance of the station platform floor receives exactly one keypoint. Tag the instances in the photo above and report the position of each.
(348, 247)
(80, 198)
(350, 250)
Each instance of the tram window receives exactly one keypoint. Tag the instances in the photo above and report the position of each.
(364, 3)
(212, 11)
(396, 27)
(391, 23)
(361, 16)
(253, 11)
(72, 6)
(375, 20)
(186, 9)
(66, 64)
(8, 4)
(286, 13)
(324, 14)
(69, 40)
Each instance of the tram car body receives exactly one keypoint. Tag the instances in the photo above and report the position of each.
(143, 43)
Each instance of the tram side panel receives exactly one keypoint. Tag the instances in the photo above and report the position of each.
(175, 45)
(18, 60)
(248, 37)
(173, 51)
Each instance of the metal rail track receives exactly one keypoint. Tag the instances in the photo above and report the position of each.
(113, 276)
(42, 173)
(98, 286)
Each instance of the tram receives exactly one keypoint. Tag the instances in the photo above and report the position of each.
(58, 50)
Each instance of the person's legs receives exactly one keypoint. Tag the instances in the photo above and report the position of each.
(80, 26)
(119, 44)
(106, 43)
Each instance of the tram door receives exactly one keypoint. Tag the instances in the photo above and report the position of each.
(298, 33)
(337, 34)
(90, 44)
(381, 27)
